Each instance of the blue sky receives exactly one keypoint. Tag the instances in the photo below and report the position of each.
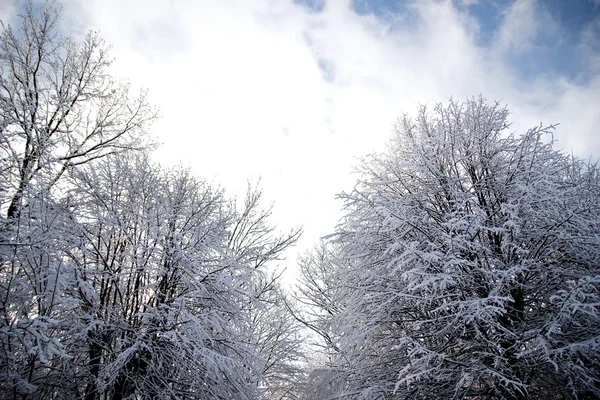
(296, 91)
(556, 50)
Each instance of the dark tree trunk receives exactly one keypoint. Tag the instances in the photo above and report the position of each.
(95, 352)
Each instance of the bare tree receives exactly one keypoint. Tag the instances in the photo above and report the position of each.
(59, 107)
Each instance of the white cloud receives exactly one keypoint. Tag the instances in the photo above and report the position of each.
(524, 21)
(7, 11)
(266, 87)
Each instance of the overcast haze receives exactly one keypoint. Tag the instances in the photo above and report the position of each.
(295, 91)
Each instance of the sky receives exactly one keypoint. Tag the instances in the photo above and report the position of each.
(295, 92)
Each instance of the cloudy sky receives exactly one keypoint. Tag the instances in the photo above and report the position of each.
(296, 90)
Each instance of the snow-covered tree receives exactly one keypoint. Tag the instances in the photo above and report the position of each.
(279, 338)
(318, 301)
(59, 109)
(120, 279)
(59, 106)
(275, 334)
(469, 261)
(154, 300)
(160, 298)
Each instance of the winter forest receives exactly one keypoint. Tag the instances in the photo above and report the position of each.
(466, 266)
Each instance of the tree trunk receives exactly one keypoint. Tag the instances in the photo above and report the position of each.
(95, 352)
